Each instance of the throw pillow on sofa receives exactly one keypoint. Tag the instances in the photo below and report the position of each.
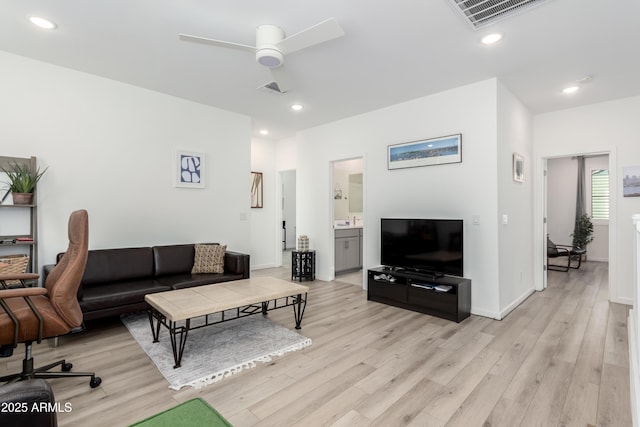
(209, 259)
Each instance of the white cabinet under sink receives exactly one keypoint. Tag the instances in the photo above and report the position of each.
(348, 249)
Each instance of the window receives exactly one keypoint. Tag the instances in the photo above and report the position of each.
(600, 194)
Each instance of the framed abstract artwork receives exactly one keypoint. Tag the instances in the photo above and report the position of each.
(189, 169)
(256, 189)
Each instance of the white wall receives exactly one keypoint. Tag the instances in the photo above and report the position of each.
(459, 190)
(263, 234)
(110, 149)
(609, 127)
(515, 200)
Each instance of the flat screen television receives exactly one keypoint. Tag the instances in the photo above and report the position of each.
(424, 245)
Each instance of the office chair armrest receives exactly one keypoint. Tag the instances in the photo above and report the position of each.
(19, 276)
(22, 292)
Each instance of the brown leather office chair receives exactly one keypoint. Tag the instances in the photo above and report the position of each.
(29, 314)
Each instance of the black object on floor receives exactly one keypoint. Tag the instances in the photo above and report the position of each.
(6, 351)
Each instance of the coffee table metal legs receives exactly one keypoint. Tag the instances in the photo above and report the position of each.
(155, 330)
(298, 309)
(177, 334)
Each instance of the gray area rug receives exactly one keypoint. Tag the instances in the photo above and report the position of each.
(216, 351)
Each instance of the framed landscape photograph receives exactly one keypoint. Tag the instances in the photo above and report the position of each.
(518, 167)
(189, 169)
(425, 152)
(631, 181)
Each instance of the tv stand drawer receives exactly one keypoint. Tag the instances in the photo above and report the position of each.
(443, 302)
(387, 287)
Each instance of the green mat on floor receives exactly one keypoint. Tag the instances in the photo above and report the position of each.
(192, 413)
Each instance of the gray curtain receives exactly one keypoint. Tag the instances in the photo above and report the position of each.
(580, 197)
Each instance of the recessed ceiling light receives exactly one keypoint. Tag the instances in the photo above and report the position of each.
(492, 38)
(264, 132)
(296, 107)
(570, 89)
(42, 23)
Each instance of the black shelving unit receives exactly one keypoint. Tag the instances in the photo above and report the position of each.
(448, 297)
(9, 243)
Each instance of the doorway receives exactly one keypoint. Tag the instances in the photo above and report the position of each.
(348, 219)
(287, 223)
(559, 204)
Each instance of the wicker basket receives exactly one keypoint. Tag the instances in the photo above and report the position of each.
(10, 264)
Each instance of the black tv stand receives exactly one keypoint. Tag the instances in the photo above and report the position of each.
(436, 294)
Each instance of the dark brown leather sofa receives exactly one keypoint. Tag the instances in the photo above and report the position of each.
(115, 281)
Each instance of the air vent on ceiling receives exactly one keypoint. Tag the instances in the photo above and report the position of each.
(271, 87)
(484, 12)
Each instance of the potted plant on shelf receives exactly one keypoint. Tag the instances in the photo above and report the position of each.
(582, 234)
(22, 182)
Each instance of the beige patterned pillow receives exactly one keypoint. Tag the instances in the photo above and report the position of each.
(209, 259)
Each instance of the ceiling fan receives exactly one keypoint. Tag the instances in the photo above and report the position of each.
(272, 45)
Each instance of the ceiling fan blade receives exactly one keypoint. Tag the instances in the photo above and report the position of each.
(319, 33)
(220, 43)
(281, 77)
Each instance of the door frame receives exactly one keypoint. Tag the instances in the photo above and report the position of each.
(540, 211)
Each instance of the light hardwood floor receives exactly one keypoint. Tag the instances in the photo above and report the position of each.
(559, 359)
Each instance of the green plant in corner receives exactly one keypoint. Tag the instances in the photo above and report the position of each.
(21, 178)
(583, 232)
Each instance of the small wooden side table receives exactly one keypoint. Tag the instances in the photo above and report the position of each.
(303, 265)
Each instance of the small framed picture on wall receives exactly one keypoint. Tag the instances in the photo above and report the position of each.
(189, 169)
(518, 167)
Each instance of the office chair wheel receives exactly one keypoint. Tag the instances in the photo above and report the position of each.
(66, 367)
(95, 382)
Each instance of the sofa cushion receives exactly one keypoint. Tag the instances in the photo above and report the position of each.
(173, 259)
(119, 293)
(209, 259)
(114, 265)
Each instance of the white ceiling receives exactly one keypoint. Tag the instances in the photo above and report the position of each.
(391, 52)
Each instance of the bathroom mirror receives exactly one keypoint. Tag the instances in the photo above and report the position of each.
(355, 192)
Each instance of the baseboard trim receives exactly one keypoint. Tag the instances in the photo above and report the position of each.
(485, 313)
(516, 303)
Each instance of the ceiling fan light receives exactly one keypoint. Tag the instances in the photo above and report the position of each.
(269, 57)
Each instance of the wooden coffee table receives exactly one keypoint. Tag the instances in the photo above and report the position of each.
(233, 300)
